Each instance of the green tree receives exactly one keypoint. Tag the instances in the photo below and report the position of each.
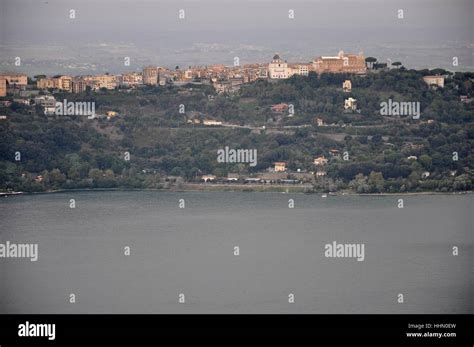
(56, 177)
(376, 182)
(397, 64)
(426, 161)
(370, 62)
(462, 182)
(359, 184)
(95, 174)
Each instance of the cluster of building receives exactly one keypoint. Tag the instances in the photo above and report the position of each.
(266, 178)
(279, 173)
(222, 78)
(342, 63)
(78, 84)
(225, 79)
(11, 82)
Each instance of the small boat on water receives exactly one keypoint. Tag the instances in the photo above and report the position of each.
(324, 196)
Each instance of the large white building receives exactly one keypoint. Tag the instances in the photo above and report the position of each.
(278, 69)
(350, 104)
(48, 102)
(299, 69)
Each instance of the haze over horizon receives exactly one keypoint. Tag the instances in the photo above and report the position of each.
(431, 33)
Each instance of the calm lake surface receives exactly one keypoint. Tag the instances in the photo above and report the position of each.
(191, 251)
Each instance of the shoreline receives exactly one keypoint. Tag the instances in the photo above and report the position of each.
(287, 189)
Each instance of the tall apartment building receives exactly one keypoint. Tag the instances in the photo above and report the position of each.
(262, 72)
(63, 83)
(45, 83)
(101, 81)
(188, 74)
(48, 102)
(350, 63)
(79, 85)
(3, 87)
(131, 79)
(15, 79)
(150, 75)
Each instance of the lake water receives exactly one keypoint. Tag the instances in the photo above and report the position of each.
(408, 251)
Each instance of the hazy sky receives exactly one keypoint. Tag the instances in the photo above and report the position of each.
(149, 31)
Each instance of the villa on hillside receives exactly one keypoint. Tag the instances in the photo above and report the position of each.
(319, 161)
(334, 153)
(320, 122)
(209, 122)
(279, 107)
(434, 81)
(350, 104)
(208, 178)
(347, 86)
(232, 177)
(280, 166)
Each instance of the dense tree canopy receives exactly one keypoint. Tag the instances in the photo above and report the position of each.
(74, 152)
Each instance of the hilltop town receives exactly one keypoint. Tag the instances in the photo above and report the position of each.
(338, 123)
(222, 78)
